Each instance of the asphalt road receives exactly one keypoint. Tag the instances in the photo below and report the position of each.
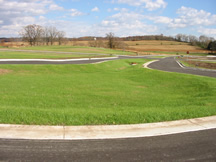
(89, 61)
(169, 64)
(192, 146)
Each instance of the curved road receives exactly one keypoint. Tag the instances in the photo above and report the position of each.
(170, 64)
(193, 146)
(196, 146)
(166, 64)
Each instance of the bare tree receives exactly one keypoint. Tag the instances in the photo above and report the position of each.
(204, 41)
(60, 37)
(185, 38)
(52, 34)
(111, 40)
(192, 39)
(46, 37)
(179, 37)
(32, 33)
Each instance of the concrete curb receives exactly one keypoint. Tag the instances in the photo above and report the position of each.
(148, 63)
(105, 131)
(60, 60)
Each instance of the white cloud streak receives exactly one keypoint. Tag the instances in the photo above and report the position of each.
(95, 9)
(148, 4)
(75, 12)
(187, 17)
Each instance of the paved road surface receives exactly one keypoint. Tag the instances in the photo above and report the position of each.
(197, 146)
(170, 64)
(167, 64)
(81, 61)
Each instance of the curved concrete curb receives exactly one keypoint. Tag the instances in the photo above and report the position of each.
(148, 63)
(105, 131)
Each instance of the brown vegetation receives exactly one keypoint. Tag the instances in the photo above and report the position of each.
(163, 46)
(5, 71)
(142, 47)
(202, 64)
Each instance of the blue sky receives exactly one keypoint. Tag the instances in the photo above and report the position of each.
(122, 17)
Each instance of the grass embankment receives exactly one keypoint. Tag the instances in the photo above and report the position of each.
(109, 93)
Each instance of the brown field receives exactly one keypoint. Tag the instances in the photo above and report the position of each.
(141, 47)
(163, 46)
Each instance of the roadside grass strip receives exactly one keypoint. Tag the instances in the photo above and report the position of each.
(113, 92)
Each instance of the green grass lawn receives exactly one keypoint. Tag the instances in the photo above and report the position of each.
(77, 52)
(79, 49)
(35, 55)
(108, 93)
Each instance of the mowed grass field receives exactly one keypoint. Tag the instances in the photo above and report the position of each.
(43, 55)
(55, 52)
(78, 49)
(113, 92)
(142, 47)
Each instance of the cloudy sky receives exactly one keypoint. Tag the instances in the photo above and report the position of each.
(122, 17)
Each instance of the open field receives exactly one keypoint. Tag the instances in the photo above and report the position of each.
(142, 47)
(165, 47)
(108, 93)
(36, 55)
(77, 49)
(55, 52)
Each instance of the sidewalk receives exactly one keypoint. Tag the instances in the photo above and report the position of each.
(105, 131)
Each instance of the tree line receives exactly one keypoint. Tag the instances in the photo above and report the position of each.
(36, 35)
(202, 41)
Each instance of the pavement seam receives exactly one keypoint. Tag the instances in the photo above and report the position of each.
(63, 132)
(197, 124)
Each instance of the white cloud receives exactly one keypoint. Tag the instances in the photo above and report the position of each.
(208, 31)
(95, 9)
(118, 9)
(161, 19)
(148, 4)
(75, 12)
(125, 24)
(16, 14)
(191, 16)
(55, 7)
(187, 17)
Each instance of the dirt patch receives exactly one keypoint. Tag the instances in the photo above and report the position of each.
(5, 71)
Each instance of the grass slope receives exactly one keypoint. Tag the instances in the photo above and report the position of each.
(109, 93)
